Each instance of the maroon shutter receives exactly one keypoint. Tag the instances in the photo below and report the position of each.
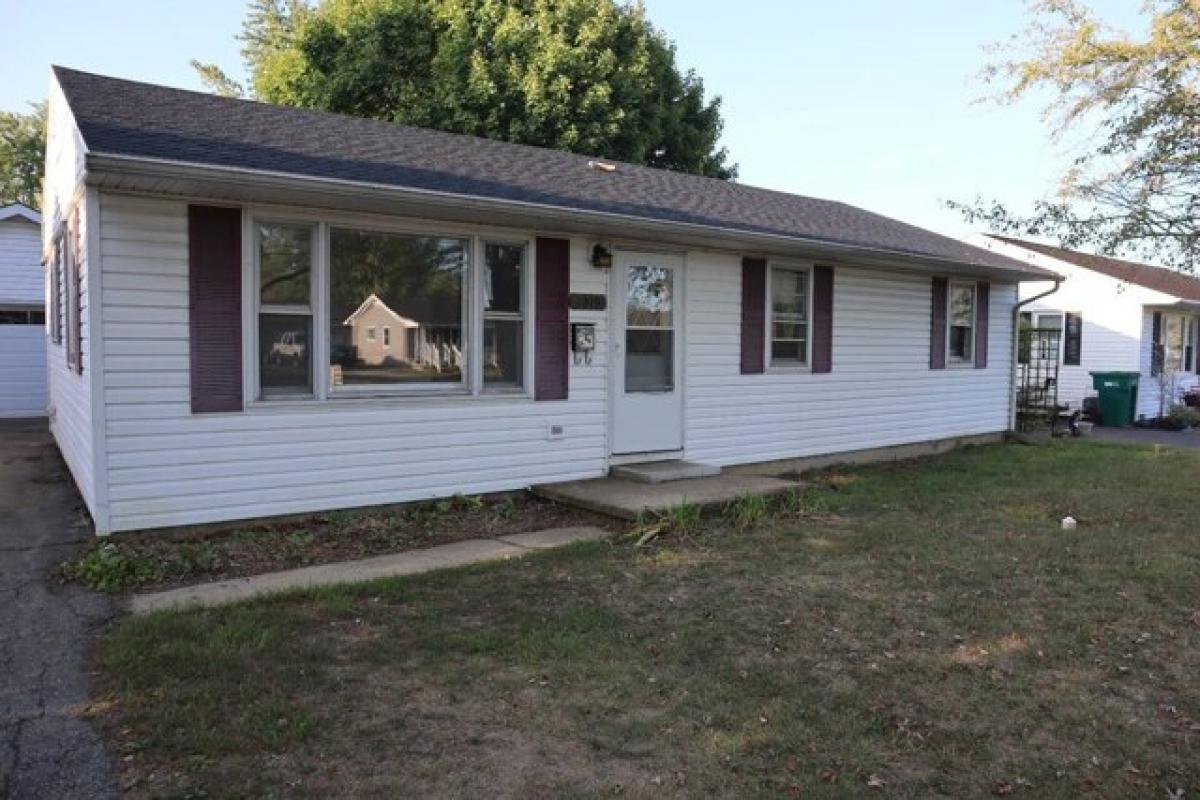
(1073, 340)
(822, 336)
(937, 329)
(215, 307)
(552, 315)
(1157, 356)
(983, 297)
(754, 301)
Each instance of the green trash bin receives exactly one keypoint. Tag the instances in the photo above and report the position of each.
(1118, 397)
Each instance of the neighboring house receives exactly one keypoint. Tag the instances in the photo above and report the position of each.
(22, 314)
(602, 313)
(1115, 316)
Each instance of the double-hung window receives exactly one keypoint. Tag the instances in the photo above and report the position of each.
(285, 308)
(1049, 344)
(960, 342)
(789, 296)
(1177, 342)
(503, 314)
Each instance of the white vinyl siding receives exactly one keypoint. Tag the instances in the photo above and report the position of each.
(20, 263)
(880, 392)
(168, 466)
(22, 347)
(71, 402)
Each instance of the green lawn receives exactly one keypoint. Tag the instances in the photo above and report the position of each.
(913, 630)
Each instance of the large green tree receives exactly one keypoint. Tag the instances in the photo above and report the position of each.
(589, 76)
(1130, 106)
(22, 156)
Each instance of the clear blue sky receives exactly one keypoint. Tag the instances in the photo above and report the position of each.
(868, 102)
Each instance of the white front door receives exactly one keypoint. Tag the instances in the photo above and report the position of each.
(647, 322)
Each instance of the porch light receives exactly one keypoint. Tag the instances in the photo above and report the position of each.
(601, 257)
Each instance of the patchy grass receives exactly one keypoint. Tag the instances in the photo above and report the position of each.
(923, 629)
(156, 560)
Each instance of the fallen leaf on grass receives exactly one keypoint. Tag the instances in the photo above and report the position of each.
(876, 782)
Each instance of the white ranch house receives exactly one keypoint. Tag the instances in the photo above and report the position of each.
(1115, 315)
(209, 253)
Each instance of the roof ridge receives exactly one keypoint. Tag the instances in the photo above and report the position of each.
(58, 69)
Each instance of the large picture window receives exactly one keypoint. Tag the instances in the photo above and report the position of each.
(285, 259)
(961, 341)
(789, 316)
(345, 311)
(411, 287)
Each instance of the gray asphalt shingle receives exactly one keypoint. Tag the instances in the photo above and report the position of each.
(128, 118)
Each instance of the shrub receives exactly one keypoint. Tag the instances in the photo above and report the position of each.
(684, 518)
(107, 569)
(747, 511)
(1180, 417)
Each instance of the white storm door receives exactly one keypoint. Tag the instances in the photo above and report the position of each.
(647, 353)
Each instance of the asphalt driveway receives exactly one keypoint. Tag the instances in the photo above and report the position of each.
(1148, 436)
(47, 748)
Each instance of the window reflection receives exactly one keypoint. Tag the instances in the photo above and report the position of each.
(283, 353)
(408, 287)
(648, 302)
(649, 339)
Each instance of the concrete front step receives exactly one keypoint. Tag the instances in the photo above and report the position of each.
(626, 499)
(413, 562)
(664, 471)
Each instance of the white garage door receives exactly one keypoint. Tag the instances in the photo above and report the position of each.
(22, 370)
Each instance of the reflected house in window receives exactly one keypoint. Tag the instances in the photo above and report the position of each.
(401, 342)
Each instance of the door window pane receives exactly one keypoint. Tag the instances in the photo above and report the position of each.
(284, 263)
(284, 358)
(410, 284)
(649, 360)
(648, 303)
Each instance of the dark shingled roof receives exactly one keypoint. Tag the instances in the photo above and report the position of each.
(1160, 279)
(127, 118)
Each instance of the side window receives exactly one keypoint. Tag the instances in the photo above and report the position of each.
(55, 276)
(285, 318)
(503, 315)
(789, 293)
(961, 323)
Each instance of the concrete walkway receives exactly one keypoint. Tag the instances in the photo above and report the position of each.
(47, 748)
(456, 554)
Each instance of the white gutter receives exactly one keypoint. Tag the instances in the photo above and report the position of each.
(197, 171)
(1016, 328)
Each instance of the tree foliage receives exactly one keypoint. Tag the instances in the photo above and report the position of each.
(589, 76)
(22, 156)
(1135, 103)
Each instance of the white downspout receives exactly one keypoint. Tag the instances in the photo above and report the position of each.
(1016, 337)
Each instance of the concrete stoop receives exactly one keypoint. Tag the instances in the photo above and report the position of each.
(630, 499)
(664, 471)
